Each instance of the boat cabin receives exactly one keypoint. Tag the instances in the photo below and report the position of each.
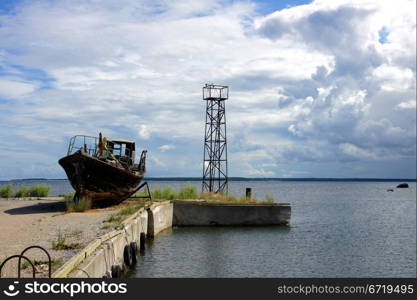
(122, 150)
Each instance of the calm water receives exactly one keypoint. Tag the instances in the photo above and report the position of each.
(338, 229)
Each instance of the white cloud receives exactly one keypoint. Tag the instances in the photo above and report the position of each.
(411, 104)
(394, 78)
(260, 173)
(307, 83)
(355, 151)
(144, 132)
(164, 148)
(15, 88)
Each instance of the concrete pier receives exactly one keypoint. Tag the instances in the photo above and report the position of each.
(106, 253)
(194, 214)
(99, 257)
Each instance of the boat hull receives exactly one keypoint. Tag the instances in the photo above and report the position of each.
(99, 181)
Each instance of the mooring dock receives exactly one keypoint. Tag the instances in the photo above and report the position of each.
(107, 256)
(109, 252)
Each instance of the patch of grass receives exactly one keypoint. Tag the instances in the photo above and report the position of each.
(129, 210)
(56, 263)
(115, 220)
(69, 196)
(81, 205)
(188, 191)
(166, 193)
(24, 264)
(6, 191)
(105, 226)
(75, 233)
(227, 199)
(118, 226)
(216, 197)
(22, 192)
(269, 199)
(61, 244)
(70, 206)
(39, 190)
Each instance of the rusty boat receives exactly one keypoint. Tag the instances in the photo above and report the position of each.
(103, 170)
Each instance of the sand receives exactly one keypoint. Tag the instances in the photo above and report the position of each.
(27, 222)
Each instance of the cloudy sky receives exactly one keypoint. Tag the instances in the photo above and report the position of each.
(317, 89)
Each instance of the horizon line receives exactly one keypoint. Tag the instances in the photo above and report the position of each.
(251, 178)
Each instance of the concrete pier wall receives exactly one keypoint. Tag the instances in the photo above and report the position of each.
(188, 214)
(97, 259)
(160, 218)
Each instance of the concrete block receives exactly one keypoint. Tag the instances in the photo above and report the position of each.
(189, 214)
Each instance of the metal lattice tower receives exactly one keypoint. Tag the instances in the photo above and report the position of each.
(215, 143)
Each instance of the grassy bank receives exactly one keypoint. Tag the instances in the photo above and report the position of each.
(115, 220)
(189, 192)
(39, 190)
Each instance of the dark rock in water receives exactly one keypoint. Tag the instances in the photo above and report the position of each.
(390, 190)
(402, 185)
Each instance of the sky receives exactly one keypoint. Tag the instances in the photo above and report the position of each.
(323, 88)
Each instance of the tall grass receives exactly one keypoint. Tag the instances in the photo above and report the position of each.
(129, 210)
(165, 193)
(69, 196)
(22, 192)
(269, 199)
(229, 199)
(61, 243)
(6, 191)
(81, 205)
(39, 190)
(188, 191)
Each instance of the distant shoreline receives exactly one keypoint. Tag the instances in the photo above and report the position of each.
(246, 179)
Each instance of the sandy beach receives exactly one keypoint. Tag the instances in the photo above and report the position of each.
(27, 222)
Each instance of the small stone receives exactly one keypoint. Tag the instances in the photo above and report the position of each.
(402, 185)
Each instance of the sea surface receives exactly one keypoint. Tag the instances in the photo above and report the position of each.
(338, 229)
